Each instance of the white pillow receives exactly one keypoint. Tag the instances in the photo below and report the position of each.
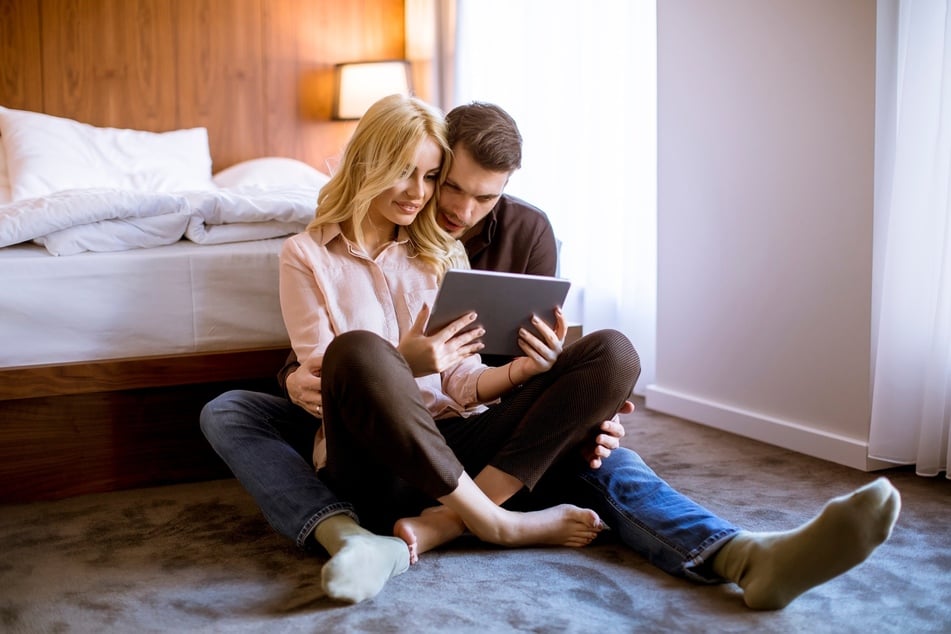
(271, 171)
(4, 179)
(46, 154)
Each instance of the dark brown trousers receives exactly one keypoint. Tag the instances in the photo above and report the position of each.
(389, 457)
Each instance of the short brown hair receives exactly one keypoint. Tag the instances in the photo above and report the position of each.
(488, 133)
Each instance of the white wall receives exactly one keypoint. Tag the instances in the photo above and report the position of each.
(765, 189)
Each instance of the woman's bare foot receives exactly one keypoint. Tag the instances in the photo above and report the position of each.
(436, 526)
(562, 525)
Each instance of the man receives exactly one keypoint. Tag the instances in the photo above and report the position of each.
(501, 232)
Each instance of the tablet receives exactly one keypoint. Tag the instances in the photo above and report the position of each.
(504, 302)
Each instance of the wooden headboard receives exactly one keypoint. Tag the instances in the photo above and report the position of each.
(256, 73)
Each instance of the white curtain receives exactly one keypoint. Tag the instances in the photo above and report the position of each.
(580, 80)
(911, 390)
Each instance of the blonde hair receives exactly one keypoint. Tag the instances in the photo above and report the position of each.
(379, 154)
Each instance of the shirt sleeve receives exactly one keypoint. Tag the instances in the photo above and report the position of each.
(461, 381)
(544, 255)
(303, 305)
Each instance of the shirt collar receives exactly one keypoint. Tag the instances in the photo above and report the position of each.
(325, 234)
(479, 242)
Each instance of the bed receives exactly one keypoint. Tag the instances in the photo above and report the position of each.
(135, 285)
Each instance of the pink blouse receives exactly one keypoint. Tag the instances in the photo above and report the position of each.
(329, 286)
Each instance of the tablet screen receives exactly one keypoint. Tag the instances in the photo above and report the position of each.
(504, 302)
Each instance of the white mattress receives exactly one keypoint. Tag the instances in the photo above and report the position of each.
(175, 299)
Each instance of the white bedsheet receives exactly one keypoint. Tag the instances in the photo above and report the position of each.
(179, 298)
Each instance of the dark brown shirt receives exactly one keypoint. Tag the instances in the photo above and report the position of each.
(516, 237)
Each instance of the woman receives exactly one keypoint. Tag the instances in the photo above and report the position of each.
(404, 413)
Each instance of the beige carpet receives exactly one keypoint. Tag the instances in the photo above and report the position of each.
(200, 558)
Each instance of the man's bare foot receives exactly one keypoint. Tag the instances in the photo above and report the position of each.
(436, 526)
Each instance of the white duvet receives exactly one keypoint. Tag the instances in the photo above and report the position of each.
(78, 220)
(73, 187)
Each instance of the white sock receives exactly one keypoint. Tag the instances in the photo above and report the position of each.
(360, 562)
(775, 568)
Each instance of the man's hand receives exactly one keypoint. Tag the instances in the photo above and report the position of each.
(303, 387)
(441, 350)
(609, 439)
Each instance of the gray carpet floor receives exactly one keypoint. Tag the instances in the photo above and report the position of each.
(200, 558)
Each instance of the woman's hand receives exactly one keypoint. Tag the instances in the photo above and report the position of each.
(540, 353)
(441, 350)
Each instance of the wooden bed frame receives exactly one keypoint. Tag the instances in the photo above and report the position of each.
(110, 425)
(256, 73)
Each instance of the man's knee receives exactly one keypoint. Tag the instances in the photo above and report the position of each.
(215, 414)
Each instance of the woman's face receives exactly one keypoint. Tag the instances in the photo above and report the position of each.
(401, 203)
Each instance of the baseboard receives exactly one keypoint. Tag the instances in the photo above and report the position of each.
(787, 434)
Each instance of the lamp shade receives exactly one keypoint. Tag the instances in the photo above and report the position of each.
(360, 84)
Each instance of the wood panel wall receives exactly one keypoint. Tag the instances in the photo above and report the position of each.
(256, 73)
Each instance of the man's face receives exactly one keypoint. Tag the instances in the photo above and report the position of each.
(469, 193)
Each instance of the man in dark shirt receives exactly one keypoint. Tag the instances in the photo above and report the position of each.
(500, 232)
(268, 440)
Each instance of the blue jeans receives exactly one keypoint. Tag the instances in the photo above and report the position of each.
(267, 441)
(268, 444)
(643, 512)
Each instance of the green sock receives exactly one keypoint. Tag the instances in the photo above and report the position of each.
(775, 568)
(360, 562)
